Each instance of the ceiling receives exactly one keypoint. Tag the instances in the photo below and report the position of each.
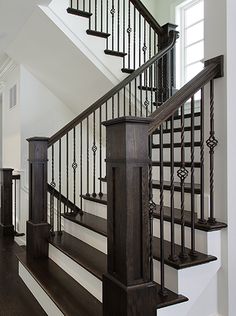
(13, 15)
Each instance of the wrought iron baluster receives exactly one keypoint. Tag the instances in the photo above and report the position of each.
(96, 15)
(15, 186)
(202, 219)
(59, 200)
(74, 167)
(107, 23)
(94, 149)
(100, 152)
(192, 252)
(81, 164)
(67, 171)
(212, 142)
(101, 15)
(88, 182)
(173, 255)
(53, 185)
(130, 99)
(124, 31)
(118, 26)
(134, 49)
(182, 174)
(113, 11)
(129, 30)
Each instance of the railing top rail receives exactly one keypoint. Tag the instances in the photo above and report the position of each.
(213, 69)
(113, 91)
(148, 16)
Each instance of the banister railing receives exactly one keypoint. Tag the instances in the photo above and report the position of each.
(118, 88)
(129, 28)
(212, 70)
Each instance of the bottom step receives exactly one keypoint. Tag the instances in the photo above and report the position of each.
(53, 285)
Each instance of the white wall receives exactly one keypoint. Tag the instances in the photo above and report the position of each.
(231, 152)
(11, 123)
(42, 114)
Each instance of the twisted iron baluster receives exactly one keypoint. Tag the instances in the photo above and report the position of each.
(212, 143)
(53, 185)
(94, 149)
(182, 173)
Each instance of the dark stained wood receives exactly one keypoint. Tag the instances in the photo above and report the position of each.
(114, 53)
(148, 16)
(180, 263)
(64, 200)
(127, 287)
(98, 34)
(177, 145)
(88, 257)
(37, 226)
(15, 298)
(70, 297)
(112, 92)
(6, 225)
(167, 211)
(95, 223)
(79, 12)
(213, 69)
(127, 70)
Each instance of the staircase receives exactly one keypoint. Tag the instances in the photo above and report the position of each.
(121, 200)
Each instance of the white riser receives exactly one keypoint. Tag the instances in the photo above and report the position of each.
(81, 275)
(86, 235)
(41, 296)
(202, 238)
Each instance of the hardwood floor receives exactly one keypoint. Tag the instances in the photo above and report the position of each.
(15, 298)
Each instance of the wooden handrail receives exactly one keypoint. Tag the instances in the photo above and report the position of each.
(148, 16)
(96, 105)
(213, 69)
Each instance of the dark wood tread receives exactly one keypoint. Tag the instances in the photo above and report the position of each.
(90, 221)
(114, 53)
(97, 33)
(86, 256)
(177, 130)
(84, 14)
(147, 88)
(207, 227)
(176, 145)
(127, 70)
(156, 185)
(177, 186)
(95, 261)
(69, 296)
(176, 164)
(187, 116)
(180, 263)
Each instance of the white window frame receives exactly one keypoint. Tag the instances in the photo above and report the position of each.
(181, 45)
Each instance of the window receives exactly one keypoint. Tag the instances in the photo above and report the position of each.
(13, 97)
(190, 50)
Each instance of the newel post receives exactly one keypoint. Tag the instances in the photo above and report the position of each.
(127, 286)
(6, 224)
(37, 226)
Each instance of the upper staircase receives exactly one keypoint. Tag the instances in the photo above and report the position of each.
(121, 200)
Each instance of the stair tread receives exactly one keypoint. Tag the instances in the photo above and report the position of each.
(90, 221)
(147, 88)
(178, 129)
(176, 145)
(200, 226)
(98, 266)
(96, 261)
(176, 164)
(167, 186)
(88, 257)
(70, 297)
(127, 70)
(114, 53)
(98, 33)
(81, 13)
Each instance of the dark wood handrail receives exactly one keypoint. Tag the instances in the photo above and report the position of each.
(148, 16)
(96, 105)
(64, 200)
(213, 69)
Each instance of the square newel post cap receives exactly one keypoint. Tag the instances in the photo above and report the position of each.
(129, 119)
(38, 139)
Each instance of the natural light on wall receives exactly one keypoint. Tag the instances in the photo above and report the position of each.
(190, 50)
